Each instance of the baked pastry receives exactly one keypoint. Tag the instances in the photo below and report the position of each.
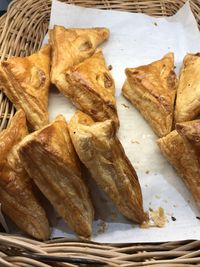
(184, 159)
(151, 89)
(102, 153)
(91, 88)
(70, 47)
(188, 92)
(26, 82)
(50, 159)
(190, 131)
(17, 195)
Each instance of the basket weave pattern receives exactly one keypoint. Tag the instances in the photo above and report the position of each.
(22, 30)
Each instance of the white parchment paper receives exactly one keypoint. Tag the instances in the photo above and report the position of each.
(136, 39)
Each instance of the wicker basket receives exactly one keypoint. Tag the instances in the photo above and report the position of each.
(22, 30)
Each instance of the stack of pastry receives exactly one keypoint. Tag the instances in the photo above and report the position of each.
(49, 158)
(152, 90)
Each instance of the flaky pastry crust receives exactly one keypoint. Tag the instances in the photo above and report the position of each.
(25, 81)
(188, 92)
(184, 159)
(102, 153)
(50, 159)
(17, 196)
(91, 88)
(151, 89)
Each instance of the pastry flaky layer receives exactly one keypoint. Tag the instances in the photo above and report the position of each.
(17, 196)
(183, 158)
(91, 88)
(26, 81)
(102, 153)
(50, 159)
(70, 47)
(188, 92)
(151, 89)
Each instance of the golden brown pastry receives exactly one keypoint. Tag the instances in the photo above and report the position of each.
(50, 159)
(25, 80)
(70, 47)
(151, 89)
(184, 159)
(190, 131)
(91, 88)
(188, 92)
(17, 196)
(102, 153)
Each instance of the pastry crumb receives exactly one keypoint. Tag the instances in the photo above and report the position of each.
(156, 196)
(124, 105)
(165, 201)
(173, 218)
(175, 206)
(110, 67)
(146, 185)
(102, 227)
(147, 172)
(155, 24)
(157, 218)
(197, 217)
(134, 142)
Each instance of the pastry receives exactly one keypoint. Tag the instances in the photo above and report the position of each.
(188, 92)
(50, 159)
(91, 88)
(190, 131)
(17, 195)
(26, 82)
(70, 47)
(102, 153)
(151, 89)
(184, 159)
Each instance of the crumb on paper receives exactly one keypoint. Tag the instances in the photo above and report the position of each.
(156, 218)
(165, 201)
(147, 172)
(173, 218)
(110, 67)
(157, 196)
(197, 217)
(149, 203)
(146, 185)
(156, 24)
(175, 206)
(102, 227)
(188, 201)
(135, 142)
(124, 105)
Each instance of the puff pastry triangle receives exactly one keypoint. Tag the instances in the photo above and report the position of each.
(188, 92)
(151, 89)
(17, 196)
(25, 80)
(184, 159)
(70, 47)
(102, 153)
(91, 88)
(50, 159)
